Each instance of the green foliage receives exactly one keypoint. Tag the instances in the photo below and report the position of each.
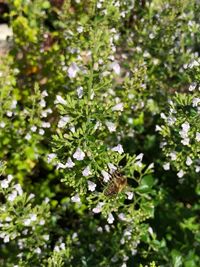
(99, 140)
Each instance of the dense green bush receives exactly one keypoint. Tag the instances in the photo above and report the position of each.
(100, 132)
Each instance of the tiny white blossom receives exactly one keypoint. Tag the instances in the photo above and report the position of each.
(72, 70)
(140, 157)
(33, 128)
(19, 189)
(180, 173)
(50, 157)
(173, 155)
(110, 218)
(69, 164)
(38, 250)
(6, 239)
(197, 169)
(27, 222)
(28, 136)
(122, 216)
(185, 141)
(106, 176)
(115, 67)
(62, 246)
(33, 217)
(60, 100)
(79, 29)
(195, 101)
(80, 91)
(2, 124)
(111, 126)
(112, 167)
(91, 186)
(76, 199)
(42, 222)
(4, 183)
(12, 196)
(63, 121)
(9, 113)
(197, 137)
(166, 166)
(118, 107)
(118, 149)
(98, 208)
(150, 230)
(41, 131)
(46, 237)
(192, 87)
(79, 154)
(9, 177)
(188, 161)
(129, 195)
(86, 171)
(56, 248)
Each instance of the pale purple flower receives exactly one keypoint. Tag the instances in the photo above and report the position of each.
(80, 91)
(115, 67)
(111, 126)
(69, 164)
(79, 154)
(118, 107)
(166, 166)
(180, 173)
(91, 186)
(106, 176)
(76, 199)
(110, 218)
(60, 100)
(118, 149)
(188, 161)
(63, 121)
(72, 70)
(86, 171)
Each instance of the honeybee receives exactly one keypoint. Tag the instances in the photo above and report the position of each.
(116, 185)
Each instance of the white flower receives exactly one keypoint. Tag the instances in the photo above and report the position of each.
(2, 124)
(63, 121)
(72, 70)
(76, 199)
(28, 136)
(41, 132)
(13, 104)
(140, 157)
(91, 186)
(185, 126)
(118, 149)
(69, 164)
(195, 101)
(38, 250)
(166, 166)
(6, 239)
(27, 222)
(122, 217)
(197, 137)
(106, 176)
(86, 171)
(150, 230)
(56, 248)
(4, 183)
(118, 107)
(33, 128)
(12, 196)
(98, 208)
(9, 177)
(188, 161)
(111, 126)
(19, 189)
(42, 222)
(50, 157)
(173, 155)
(80, 91)
(115, 67)
(180, 173)
(197, 169)
(62, 246)
(192, 87)
(129, 195)
(158, 128)
(60, 100)
(110, 218)
(46, 237)
(112, 167)
(185, 141)
(79, 29)
(79, 154)
(33, 217)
